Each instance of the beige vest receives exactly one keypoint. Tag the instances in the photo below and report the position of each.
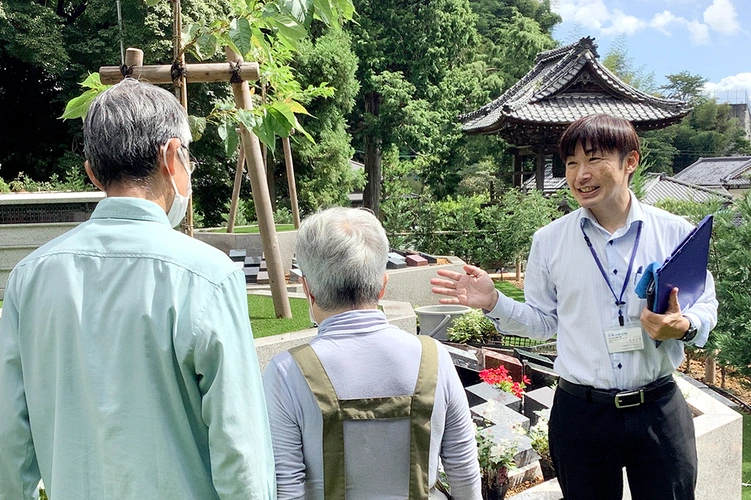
(418, 408)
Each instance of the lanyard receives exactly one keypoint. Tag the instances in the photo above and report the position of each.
(618, 300)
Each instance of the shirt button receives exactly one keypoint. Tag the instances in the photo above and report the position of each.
(615, 271)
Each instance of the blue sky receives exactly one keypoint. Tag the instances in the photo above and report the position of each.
(711, 38)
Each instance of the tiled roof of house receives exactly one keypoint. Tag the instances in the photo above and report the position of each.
(725, 171)
(564, 85)
(658, 187)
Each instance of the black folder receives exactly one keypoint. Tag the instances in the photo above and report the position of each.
(686, 268)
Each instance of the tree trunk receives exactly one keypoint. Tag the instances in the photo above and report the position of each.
(710, 370)
(373, 154)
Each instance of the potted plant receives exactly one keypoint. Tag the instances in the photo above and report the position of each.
(496, 461)
(473, 328)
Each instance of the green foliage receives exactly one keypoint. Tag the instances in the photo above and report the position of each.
(472, 327)
(684, 86)
(78, 106)
(468, 227)
(729, 256)
(619, 62)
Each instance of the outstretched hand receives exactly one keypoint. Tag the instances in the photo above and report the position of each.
(474, 288)
(670, 325)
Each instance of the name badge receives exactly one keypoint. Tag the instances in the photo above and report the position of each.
(624, 338)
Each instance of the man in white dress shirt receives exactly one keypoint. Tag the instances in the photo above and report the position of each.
(616, 405)
(365, 410)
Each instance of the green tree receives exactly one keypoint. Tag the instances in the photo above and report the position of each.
(684, 86)
(406, 50)
(619, 62)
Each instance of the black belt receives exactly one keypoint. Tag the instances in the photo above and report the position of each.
(618, 398)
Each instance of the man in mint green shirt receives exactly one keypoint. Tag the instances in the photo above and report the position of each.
(127, 364)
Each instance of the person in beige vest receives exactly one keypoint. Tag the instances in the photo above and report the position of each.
(366, 410)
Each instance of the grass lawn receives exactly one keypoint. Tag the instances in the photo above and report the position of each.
(746, 475)
(254, 229)
(264, 323)
(510, 290)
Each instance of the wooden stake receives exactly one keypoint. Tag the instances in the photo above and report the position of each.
(291, 181)
(261, 199)
(236, 188)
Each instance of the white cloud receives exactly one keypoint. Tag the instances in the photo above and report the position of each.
(740, 81)
(623, 23)
(698, 32)
(722, 17)
(662, 19)
(596, 15)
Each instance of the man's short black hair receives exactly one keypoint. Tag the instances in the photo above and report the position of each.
(600, 132)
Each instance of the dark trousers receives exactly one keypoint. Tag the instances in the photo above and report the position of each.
(590, 443)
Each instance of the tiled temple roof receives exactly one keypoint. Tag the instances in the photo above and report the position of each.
(565, 84)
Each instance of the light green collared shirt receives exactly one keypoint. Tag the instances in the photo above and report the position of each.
(128, 369)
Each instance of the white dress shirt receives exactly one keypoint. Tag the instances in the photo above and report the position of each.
(366, 357)
(566, 295)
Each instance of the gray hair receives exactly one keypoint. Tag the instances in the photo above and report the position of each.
(125, 127)
(342, 252)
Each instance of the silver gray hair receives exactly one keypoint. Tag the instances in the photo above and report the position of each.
(342, 252)
(125, 127)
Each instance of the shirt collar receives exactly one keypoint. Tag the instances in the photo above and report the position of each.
(357, 321)
(120, 207)
(635, 214)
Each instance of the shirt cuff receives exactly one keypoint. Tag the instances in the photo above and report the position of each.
(503, 307)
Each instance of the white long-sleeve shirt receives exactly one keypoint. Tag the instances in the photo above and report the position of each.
(366, 357)
(566, 295)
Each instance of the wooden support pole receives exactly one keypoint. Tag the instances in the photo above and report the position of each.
(236, 188)
(195, 73)
(291, 181)
(261, 199)
(540, 169)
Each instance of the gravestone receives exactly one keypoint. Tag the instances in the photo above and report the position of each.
(536, 400)
(396, 261)
(251, 274)
(237, 255)
(493, 359)
(416, 260)
(263, 278)
(483, 392)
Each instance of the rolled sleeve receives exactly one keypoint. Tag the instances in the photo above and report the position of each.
(233, 405)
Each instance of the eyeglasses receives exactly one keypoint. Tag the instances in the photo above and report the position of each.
(190, 161)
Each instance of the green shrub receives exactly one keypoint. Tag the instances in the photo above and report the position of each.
(472, 327)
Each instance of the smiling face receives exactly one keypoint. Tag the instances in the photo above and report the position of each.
(599, 181)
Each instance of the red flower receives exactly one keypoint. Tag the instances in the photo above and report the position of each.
(500, 378)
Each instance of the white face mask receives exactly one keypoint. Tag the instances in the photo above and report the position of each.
(310, 308)
(310, 313)
(179, 203)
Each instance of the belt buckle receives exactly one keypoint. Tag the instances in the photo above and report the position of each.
(628, 399)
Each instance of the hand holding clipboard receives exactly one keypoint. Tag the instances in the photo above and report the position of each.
(685, 268)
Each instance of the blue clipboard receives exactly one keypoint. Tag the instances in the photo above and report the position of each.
(685, 268)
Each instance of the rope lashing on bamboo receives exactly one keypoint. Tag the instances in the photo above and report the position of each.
(235, 68)
(126, 70)
(178, 71)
